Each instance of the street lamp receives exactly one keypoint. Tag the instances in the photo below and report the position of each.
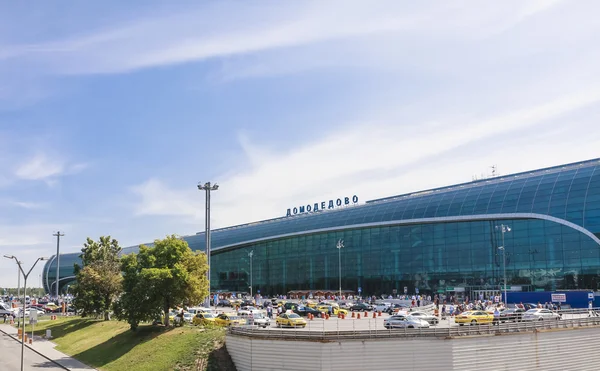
(207, 187)
(339, 246)
(504, 228)
(58, 235)
(19, 281)
(250, 255)
(24, 294)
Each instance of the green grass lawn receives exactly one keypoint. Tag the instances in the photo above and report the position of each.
(110, 345)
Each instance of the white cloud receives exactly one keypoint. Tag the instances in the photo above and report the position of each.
(39, 167)
(44, 167)
(378, 158)
(228, 29)
(27, 243)
(158, 199)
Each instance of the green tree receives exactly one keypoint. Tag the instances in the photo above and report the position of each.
(99, 279)
(162, 277)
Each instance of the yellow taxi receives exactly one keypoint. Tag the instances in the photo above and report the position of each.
(290, 320)
(172, 315)
(204, 319)
(311, 304)
(338, 311)
(323, 308)
(474, 317)
(331, 308)
(229, 319)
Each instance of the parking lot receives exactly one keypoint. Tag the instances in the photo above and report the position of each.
(377, 323)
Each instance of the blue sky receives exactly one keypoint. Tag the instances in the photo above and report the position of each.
(112, 112)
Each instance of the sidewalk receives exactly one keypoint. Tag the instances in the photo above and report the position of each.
(46, 349)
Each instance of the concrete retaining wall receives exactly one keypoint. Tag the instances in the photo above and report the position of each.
(569, 349)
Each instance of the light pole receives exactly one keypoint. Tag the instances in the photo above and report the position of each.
(58, 235)
(207, 187)
(339, 246)
(19, 280)
(25, 275)
(504, 228)
(250, 255)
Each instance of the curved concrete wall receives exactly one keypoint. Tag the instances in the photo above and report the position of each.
(568, 349)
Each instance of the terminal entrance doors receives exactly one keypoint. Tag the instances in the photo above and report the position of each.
(484, 294)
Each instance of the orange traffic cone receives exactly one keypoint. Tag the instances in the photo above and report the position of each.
(358, 316)
(374, 315)
(379, 314)
(353, 315)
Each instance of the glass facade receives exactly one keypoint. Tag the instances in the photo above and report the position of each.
(432, 240)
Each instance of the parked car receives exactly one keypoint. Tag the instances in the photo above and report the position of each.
(383, 307)
(398, 309)
(224, 303)
(305, 311)
(229, 319)
(474, 317)
(247, 310)
(433, 320)
(204, 319)
(256, 319)
(512, 315)
(360, 307)
(290, 320)
(404, 322)
(540, 315)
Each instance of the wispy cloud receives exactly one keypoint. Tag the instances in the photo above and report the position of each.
(244, 28)
(377, 158)
(44, 167)
(156, 198)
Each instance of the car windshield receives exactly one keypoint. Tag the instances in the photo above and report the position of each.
(258, 315)
(532, 311)
(208, 315)
(293, 315)
(233, 317)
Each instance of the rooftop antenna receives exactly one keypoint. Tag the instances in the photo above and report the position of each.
(494, 171)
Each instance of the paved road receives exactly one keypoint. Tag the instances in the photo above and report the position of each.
(10, 357)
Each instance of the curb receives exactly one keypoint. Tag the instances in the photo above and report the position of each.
(27, 345)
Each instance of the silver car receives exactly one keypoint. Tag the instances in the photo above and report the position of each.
(539, 314)
(433, 320)
(405, 322)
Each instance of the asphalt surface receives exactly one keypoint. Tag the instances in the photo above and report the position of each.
(10, 357)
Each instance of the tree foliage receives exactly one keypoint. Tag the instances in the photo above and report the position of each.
(159, 278)
(99, 279)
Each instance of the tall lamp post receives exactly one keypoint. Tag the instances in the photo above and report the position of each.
(250, 255)
(25, 275)
(58, 235)
(339, 246)
(207, 187)
(504, 228)
(19, 280)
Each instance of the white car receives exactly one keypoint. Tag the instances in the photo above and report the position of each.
(257, 319)
(382, 307)
(540, 314)
(433, 320)
(404, 322)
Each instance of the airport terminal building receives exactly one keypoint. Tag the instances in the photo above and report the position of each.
(444, 240)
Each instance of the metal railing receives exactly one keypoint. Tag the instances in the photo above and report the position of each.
(317, 333)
